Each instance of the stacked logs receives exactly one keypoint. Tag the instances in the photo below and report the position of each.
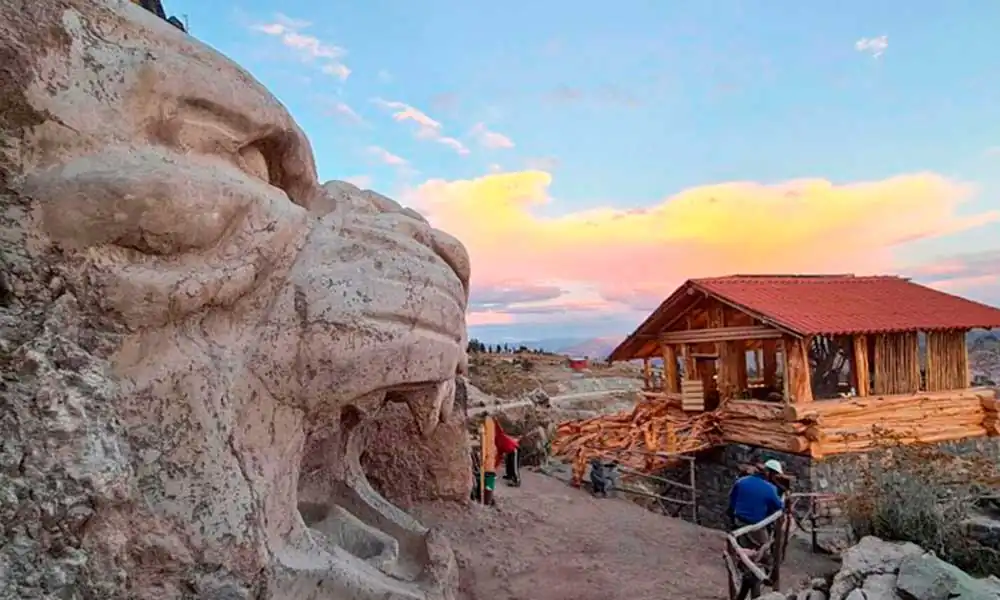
(763, 424)
(645, 439)
(861, 424)
(991, 419)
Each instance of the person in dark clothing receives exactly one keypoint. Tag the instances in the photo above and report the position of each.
(752, 499)
(755, 497)
(603, 476)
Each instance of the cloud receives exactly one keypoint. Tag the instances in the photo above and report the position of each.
(875, 46)
(490, 139)
(308, 47)
(501, 296)
(344, 112)
(384, 76)
(427, 128)
(976, 274)
(624, 261)
(386, 157)
(405, 112)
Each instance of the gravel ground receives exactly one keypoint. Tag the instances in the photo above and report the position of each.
(547, 541)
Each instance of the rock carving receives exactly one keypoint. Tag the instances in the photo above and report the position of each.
(195, 336)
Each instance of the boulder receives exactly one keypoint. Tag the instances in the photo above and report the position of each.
(880, 586)
(201, 344)
(871, 556)
(927, 577)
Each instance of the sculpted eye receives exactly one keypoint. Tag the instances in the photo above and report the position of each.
(280, 159)
(254, 163)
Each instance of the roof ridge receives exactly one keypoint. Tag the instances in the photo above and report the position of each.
(806, 279)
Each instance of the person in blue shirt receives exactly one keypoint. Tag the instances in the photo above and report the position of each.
(754, 498)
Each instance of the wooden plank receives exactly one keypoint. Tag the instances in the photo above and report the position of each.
(862, 382)
(739, 358)
(720, 334)
(818, 410)
(769, 358)
(797, 371)
(690, 367)
(670, 368)
(692, 395)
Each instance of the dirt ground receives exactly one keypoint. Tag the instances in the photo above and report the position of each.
(548, 541)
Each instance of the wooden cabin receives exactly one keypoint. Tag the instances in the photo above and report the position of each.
(818, 364)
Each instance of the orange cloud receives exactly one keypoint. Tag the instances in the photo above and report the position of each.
(632, 256)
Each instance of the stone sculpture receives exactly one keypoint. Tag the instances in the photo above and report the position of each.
(195, 335)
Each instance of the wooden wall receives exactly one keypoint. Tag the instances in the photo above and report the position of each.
(859, 424)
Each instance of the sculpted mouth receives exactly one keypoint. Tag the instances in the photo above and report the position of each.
(343, 512)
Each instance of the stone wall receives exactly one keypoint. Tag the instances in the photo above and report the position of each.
(717, 469)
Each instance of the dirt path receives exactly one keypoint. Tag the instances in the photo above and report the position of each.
(555, 400)
(547, 541)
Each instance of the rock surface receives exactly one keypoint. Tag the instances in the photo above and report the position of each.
(878, 570)
(198, 338)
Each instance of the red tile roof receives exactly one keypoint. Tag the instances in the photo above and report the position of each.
(820, 304)
(845, 304)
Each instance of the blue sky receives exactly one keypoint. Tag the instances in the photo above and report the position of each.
(629, 103)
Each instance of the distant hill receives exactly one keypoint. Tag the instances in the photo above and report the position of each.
(984, 349)
(594, 348)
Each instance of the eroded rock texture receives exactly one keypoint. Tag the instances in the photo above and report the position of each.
(196, 338)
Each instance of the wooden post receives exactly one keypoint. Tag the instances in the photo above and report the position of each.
(769, 358)
(690, 368)
(488, 454)
(738, 354)
(862, 382)
(797, 370)
(647, 374)
(726, 376)
(670, 382)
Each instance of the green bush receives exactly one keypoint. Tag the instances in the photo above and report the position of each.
(921, 494)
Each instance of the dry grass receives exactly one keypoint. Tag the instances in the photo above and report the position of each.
(922, 494)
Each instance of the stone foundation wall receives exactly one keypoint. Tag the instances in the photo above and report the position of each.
(717, 469)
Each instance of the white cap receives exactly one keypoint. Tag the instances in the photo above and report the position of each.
(773, 465)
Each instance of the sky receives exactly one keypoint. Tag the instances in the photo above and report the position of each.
(592, 156)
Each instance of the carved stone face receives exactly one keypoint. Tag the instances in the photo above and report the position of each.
(249, 320)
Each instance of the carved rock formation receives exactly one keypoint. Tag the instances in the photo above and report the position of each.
(196, 338)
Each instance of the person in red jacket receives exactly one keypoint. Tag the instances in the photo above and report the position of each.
(507, 447)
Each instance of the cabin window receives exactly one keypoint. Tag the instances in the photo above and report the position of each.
(831, 360)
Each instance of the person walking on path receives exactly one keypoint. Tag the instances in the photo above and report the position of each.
(507, 451)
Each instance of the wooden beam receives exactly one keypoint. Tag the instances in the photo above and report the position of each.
(797, 370)
(738, 350)
(671, 381)
(862, 382)
(720, 334)
(690, 366)
(769, 358)
(647, 373)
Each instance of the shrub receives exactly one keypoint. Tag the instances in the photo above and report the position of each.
(921, 494)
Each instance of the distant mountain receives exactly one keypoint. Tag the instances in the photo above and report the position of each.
(594, 348)
(983, 346)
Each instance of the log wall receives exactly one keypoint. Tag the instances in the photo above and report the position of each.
(861, 424)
